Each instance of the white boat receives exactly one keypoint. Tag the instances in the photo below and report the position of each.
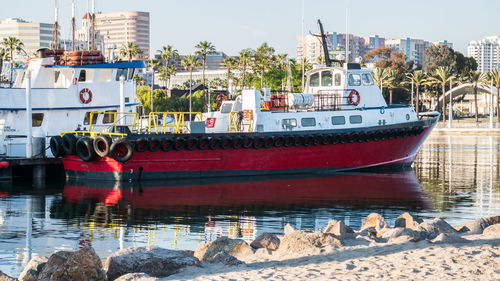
(62, 97)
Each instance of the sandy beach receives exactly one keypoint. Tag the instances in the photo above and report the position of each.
(476, 259)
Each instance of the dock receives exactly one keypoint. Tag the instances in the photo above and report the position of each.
(30, 168)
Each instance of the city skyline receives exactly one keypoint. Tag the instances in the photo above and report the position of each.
(232, 26)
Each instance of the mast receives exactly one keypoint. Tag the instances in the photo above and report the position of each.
(56, 26)
(92, 45)
(73, 25)
(347, 33)
(328, 62)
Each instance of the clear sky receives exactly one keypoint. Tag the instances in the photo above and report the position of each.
(232, 25)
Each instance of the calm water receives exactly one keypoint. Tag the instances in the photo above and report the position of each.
(454, 177)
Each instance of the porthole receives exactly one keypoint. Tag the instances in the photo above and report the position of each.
(407, 116)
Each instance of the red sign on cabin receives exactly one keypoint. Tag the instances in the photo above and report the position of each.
(210, 123)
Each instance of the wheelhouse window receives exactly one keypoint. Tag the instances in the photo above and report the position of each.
(131, 73)
(367, 79)
(354, 80)
(289, 123)
(338, 78)
(326, 79)
(314, 80)
(83, 76)
(355, 119)
(308, 122)
(121, 72)
(338, 120)
(36, 119)
(86, 119)
(226, 108)
(109, 117)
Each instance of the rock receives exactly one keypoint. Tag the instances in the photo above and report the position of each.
(136, 277)
(374, 220)
(445, 238)
(234, 247)
(408, 221)
(492, 229)
(368, 232)
(33, 269)
(289, 229)
(301, 241)
(400, 239)
(491, 221)
(477, 226)
(80, 265)
(5, 277)
(225, 259)
(321, 239)
(338, 228)
(155, 262)
(436, 226)
(266, 240)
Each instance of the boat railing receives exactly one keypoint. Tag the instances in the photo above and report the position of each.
(324, 100)
(114, 124)
(240, 121)
(165, 122)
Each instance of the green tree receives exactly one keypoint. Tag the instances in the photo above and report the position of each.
(442, 76)
(380, 76)
(12, 44)
(439, 55)
(418, 78)
(245, 61)
(264, 57)
(130, 50)
(154, 64)
(168, 52)
(189, 62)
(229, 63)
(494, 76)
(204, 48)
(282, 60)
(476, 77)
(139, 80)
(4, 55)
(394, 79)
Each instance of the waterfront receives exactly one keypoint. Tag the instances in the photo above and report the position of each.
(454, 177)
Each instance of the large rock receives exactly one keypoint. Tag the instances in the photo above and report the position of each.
(436, 227)
(338, 228)
(376, 221)
(300, 241)
(392, 233)
(321, 239)
(447, 238)
(5, 277)
(234, 247)
(78, 266)
(155, 262)
(136, 277)
(491, 220)
(477, 226)
(33, 269)
(408, 221)
(266, 240)
(225, 259)
(492, 229)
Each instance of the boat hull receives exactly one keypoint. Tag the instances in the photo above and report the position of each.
(159, 165)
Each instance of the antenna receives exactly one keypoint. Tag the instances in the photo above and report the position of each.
(93, 25)
(347, 33)
(56, 26)
(73, 25)
(328, 62)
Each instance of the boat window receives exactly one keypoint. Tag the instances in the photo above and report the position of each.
(36, 119)
(354, 80)
(326, 78)
(108, 117)
(367, 79)
(83, 76)
(308, 122)
(131, 74)
(338, 78)
(289, 123)
(314, 80)
(226, 107)
(57, 73)
(338, 120)
(121, 72)
(355, 119)
(105, 75)
(86, 120)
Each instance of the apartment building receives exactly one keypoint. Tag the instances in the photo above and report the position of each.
(413, 48)
(486, 52)
(33, 35)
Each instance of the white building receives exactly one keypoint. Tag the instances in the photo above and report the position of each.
(413, 48)
(33, 35)
(83, 36)
(486, 52)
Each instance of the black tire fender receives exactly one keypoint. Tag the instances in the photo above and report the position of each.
(69, 144)
(121, 150)
(166, 144)
(154, 144)
(56, 146)
(102, 145)
(85, 149)
(141, 144)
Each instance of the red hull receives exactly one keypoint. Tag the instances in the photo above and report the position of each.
(250, 161)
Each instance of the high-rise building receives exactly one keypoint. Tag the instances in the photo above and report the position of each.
(33, 35)
(486, 52)
(413, 48)
(121, 28)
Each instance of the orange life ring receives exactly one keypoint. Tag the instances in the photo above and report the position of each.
(220, 98)
(85, 95)
(352, 100)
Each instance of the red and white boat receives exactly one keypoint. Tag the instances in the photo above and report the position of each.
(341, 122)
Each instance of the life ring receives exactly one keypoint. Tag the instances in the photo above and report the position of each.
(85, 96)
(351, 98)
(102, 144)
(219, 99)
(56, 146)
(68, 144)
(85, 149)
(121, 150)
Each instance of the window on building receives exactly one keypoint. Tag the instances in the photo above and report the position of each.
(314, 80)
(338, 120)
(108, 117)
(367, 79)
(326, 78)
(36, 119)
(86, 119)
(308, 122)
(355, 119)
(338, 78)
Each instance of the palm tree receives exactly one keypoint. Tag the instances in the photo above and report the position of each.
(393, 79)
(476, 77)
(130, 50)
(264, 56)
(12, 44)
(495, 77)
(139, 80)
(154, 64)
(442, 76)
(228, 63)
(380, 76)
(190, 62)
(282, 61)
(204, 48)
(418, 78)
(167, 52)
(245, 60)
(3, 56)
